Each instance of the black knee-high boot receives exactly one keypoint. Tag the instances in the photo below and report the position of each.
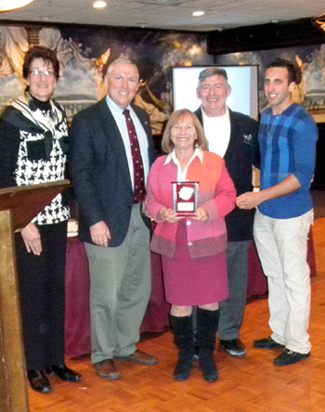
(183, 331)
(207, 326)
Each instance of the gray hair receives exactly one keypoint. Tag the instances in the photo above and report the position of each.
(119, 60)
(212, 71)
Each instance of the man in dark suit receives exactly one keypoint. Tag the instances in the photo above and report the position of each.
(233, 136)
(111, 153)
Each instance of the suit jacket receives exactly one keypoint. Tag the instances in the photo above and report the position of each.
(100, 172)
(242, 153)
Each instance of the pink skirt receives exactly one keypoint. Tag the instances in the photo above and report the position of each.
(194, 282)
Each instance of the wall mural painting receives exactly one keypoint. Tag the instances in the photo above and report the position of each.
(83, 52)
(311, 59)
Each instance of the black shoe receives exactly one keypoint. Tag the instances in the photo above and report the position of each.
(233, 347)
(289, 357)
(208, 367)
(64, 373)
(184, 366)
(267, 343)
(196, 353)
(38, 381)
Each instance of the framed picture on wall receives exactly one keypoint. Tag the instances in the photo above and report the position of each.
(242, 79)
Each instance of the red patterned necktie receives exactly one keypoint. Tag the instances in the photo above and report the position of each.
(139, 187)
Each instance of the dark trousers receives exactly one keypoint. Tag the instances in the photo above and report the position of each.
(232, 309)
(41, 288)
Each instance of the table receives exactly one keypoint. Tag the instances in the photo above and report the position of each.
(77, 324)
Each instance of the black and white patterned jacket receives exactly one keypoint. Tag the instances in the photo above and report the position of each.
(33, 145)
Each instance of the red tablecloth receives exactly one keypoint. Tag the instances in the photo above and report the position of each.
(77, 324)
(77, 335)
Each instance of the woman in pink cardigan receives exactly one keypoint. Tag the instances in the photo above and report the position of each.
(193, 248)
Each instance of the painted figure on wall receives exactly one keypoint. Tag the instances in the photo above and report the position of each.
(82, 55)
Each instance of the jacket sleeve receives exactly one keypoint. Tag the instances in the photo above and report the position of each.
(82, 164)
(9, 146)
(152, 204)
(224, 200)
(255, 146)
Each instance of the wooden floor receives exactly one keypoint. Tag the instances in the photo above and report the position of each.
(245, 385)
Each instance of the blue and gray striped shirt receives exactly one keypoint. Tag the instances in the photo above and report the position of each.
(288, 147)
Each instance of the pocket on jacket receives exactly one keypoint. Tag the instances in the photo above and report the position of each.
(35, 150)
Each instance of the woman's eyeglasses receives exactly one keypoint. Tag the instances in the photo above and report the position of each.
(38, 73)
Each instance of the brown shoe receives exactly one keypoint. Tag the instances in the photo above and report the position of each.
(107, 370)
(139, 357)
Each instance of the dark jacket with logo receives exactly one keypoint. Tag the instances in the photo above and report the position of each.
(241, 155)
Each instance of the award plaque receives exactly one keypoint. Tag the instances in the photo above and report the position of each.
(185, 198)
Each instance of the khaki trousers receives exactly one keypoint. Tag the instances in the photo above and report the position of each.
(120, 286)
(282, 248)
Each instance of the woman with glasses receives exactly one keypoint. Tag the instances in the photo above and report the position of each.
(33, 145)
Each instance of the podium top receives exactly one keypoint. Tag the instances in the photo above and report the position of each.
(26, 202)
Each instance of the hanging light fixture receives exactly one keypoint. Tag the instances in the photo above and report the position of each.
(320, 21)
(8, 5)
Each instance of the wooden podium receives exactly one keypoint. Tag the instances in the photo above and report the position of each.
(18, 206)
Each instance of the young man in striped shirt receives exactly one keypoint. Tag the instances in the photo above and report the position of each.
(287, 139)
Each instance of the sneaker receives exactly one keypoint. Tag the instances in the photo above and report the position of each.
(289, 357)
(233, 347)
(267, 343)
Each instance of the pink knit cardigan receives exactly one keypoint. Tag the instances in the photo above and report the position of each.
(217, 195)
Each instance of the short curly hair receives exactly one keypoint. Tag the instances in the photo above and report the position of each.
(44, 53)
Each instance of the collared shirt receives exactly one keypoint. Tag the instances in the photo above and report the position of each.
(181, 175)
(217, 131)
(119, 117)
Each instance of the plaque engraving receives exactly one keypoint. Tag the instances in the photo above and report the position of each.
(185, 196)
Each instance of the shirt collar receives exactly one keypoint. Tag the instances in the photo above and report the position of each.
(225, 116)
(114, 107)
(172, 156)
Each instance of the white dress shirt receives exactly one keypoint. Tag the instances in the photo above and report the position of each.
(181, 175)
(119, 117)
